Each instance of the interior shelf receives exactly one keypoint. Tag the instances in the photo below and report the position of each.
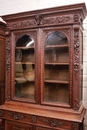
(24, 48)
(55, 63)
(56, 46)
(56, 81)
(24, 62)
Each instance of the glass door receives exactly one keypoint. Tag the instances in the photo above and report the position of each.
(56, 69)
(25, 68)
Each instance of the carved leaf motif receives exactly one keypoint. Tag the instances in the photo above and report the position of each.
(22, 24)
(56, 20)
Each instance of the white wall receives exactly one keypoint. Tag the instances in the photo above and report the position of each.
(16, 6)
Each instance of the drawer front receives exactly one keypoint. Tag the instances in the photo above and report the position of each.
(10, 125)
(38, 120)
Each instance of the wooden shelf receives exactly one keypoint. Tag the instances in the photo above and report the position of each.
(52, 63)
(56, 46)
(24, 48)
(24, 63)
(23, 79)
(56, 81)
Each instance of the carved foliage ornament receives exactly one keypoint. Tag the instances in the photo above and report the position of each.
(16, 116)
(55, 123)
(41, 20)
(8, 50)
(76, 51)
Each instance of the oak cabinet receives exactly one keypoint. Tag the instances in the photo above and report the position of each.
(44, 69)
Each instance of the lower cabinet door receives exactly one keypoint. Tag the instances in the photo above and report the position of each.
(10, 125)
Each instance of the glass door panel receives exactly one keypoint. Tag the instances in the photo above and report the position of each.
(56, 69)
(25, 68)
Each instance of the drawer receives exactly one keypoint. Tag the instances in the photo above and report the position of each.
(10, 125)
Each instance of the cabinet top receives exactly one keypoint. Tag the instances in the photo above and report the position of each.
(61, 15)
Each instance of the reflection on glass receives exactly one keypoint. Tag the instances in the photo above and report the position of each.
(56, 38)
(56, 75)
(24, 68)
(25, 41)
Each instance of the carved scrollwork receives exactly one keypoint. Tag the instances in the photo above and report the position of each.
(22, 24)
(16, 116)
(54, 122)
(57, 20)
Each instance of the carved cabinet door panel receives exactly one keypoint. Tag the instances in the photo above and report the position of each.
(10, 125)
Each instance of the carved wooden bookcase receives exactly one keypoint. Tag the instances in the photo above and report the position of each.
(44, 69)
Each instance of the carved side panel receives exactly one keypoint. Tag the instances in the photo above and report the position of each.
(76, 49)
(8, 67)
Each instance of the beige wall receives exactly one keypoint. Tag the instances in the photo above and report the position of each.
(15, 6)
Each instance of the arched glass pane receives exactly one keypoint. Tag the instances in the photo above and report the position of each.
(56, 74)
(25, 68)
